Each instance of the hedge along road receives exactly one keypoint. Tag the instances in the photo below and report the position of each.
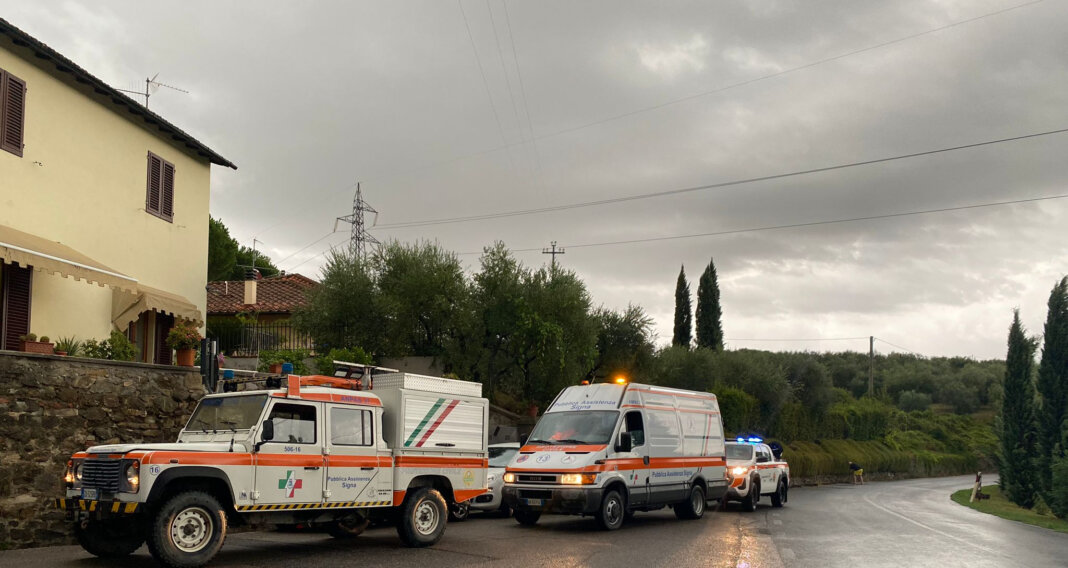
(905, 523)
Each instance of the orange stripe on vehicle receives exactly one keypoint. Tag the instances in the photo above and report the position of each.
(200, 458)
(587, 448)
(462, 495)
(352, 461)
(288, 460)
(398, 497)
(443, 461)
(342, 398)
(737, 482)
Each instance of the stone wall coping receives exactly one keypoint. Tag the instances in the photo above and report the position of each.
(99, 362)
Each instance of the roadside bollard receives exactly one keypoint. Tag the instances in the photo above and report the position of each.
(977, 489)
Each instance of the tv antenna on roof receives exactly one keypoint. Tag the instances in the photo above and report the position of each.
(151, 86)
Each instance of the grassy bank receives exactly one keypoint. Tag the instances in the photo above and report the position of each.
(998, 505)
(832, 457)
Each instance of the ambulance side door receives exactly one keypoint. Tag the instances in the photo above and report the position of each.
(637, 472)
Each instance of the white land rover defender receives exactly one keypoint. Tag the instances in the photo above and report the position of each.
(316, 450)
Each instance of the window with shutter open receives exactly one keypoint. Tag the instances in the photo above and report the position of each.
(12, 112)
(159, 196)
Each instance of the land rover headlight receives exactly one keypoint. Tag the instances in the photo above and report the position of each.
(509, 477)
(133, 476)
(77, 472)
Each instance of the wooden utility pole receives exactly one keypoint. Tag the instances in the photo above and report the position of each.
(871, 365)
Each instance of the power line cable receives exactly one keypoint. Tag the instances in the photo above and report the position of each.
(721, 89)
(720, 185)
(305, 247)
(523, 93)
(796, 339)
(899, 347)
(797, 225)
(485, 83)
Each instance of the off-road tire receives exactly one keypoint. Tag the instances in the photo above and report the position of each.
(187, 530)
(694, 506)
(459, 512)
(526, 517)
(778, 499)
(613, 510)
(423, 516)
(749, 504)
(110, 539)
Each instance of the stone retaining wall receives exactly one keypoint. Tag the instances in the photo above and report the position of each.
(51, 407)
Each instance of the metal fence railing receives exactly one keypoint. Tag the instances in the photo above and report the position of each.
(247, 340)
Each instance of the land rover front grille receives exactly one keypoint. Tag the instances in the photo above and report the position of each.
(102, 474)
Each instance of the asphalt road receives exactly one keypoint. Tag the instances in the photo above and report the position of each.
(903, 523)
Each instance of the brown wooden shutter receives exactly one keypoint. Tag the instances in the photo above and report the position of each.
(155, 176)
(15, 304)
(13, 119)
(167, 193)
(164, 323)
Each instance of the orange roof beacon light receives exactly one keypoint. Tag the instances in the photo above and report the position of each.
(585, 382)
(621, 380)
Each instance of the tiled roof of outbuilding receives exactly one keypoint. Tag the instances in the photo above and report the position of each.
(278, 295)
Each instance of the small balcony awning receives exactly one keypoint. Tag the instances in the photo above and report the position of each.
(126, 307)
(54, 257)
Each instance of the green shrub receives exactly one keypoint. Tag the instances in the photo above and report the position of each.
(911, 400)
(324, 364)
(69, 345)
(1059, 488)
(114, 348)
(740, 410)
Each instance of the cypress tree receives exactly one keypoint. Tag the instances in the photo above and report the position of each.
(683, 314)
(1018, 477)
(1053, 387)
(709, 314)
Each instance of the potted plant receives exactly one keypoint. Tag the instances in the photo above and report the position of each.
(30, 344)
(68, 346)
(184, 338)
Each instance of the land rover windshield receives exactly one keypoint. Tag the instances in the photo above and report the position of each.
(226, 413)
(578, 427)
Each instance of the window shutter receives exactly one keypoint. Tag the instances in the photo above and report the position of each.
(14, 113)
(164, 323)
(15, 301)
(167, 193)
(155, 175)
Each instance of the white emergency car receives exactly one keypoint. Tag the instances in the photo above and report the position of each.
(500, 455)
(322, 451)
(608, 450)
(754, 469)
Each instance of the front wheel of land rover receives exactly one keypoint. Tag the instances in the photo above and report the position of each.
(612, 511)
(188, 530)
(423, 517)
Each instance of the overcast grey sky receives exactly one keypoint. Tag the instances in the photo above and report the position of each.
(550, 103)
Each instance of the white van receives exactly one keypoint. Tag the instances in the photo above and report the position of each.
(608, 450)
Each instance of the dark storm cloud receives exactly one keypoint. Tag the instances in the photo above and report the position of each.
(309, 97)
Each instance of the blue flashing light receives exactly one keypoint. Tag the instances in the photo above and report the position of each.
(755, 440)
(741, 440)
(287, 368)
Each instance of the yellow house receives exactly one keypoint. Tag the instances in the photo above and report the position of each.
(103, 207)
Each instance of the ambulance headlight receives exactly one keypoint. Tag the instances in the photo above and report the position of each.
(738, 471)
(578, 478)
(509, 477)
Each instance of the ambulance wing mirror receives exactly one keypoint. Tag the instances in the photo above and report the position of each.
(266, 433)
(625, 443)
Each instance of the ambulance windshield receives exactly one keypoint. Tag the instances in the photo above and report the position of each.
(577, 427)
(227, 413)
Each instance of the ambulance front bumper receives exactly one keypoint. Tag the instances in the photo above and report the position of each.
(553, 498)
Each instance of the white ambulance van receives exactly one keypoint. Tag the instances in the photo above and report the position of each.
(608, 450)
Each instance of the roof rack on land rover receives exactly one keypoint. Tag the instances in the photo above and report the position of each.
(347, 375)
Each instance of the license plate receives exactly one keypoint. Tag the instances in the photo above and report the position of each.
(534, 502)
(91, 494)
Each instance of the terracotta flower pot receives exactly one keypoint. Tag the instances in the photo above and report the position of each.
(38, 347)
(186, 357)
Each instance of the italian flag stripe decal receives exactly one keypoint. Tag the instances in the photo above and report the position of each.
(419, 428)
(437, 422)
